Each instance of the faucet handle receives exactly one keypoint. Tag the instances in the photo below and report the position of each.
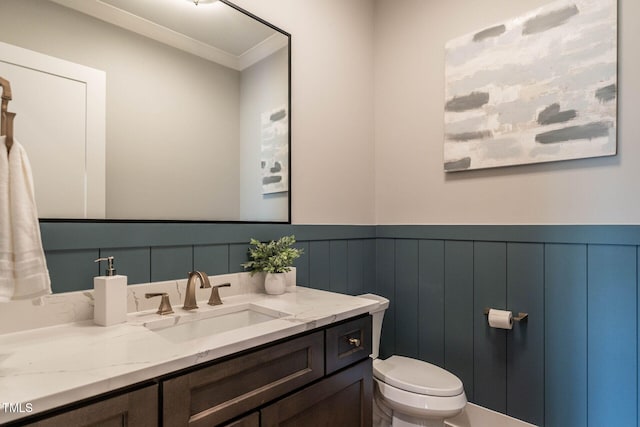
(165, 303)
(215, 296)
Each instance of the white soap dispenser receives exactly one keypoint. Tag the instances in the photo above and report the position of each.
(109, 296)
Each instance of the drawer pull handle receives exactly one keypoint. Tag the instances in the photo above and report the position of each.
(354, 342)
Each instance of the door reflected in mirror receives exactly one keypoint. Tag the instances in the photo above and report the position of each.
(150, 110)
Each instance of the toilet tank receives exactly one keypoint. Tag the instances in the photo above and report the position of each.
(377, 313)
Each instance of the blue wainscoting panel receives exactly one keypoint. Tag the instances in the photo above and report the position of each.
(565, 345)
(212, 259)
(64, 241)
(302, 264)
(407, 298)
(458, 312)
(489, 344)
(355, 269)
(385, 286)
(369, 247)
(338, 267)
(171, 262)
(135, 263)
(431, 301)
(612, 336)
(72, 270)
(369, 268)
(238, 254)
(320, 265)
(525, 343)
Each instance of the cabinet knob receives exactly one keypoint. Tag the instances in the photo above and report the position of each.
(354, 342)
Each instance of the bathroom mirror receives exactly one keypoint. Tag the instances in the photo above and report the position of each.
(183, 113)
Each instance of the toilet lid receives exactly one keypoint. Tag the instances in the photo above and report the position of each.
(417, 376)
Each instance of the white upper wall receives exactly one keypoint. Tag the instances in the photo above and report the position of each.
(332, 106)
(373, 70)
(411, 187)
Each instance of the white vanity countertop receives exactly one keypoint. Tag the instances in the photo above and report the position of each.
(54, 366)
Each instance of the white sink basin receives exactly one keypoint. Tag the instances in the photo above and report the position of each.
(218, 320)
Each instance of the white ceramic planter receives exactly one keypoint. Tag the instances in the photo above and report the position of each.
(275, 283)
(291, 280)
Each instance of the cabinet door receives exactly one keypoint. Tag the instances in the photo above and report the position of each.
(343, 399)
(220, 392)
(134, 409)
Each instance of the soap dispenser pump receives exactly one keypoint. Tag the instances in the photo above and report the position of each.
(109, 296)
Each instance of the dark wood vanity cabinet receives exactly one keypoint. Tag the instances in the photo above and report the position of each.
(320, 378)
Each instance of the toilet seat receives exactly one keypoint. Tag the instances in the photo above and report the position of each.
(416, 376)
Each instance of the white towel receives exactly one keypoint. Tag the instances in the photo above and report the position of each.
(6, 243)
(29, 277)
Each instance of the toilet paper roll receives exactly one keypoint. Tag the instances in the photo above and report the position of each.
(500, 319)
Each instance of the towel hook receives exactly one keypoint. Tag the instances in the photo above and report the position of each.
(6, 119)
(6, 97)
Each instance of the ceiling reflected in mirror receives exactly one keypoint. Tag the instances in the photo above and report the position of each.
(201, 29)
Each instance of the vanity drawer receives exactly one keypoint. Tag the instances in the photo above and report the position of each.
(220, 392)
(137, 408)
(347, 343)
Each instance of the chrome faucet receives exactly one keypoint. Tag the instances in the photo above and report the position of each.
(190, 296)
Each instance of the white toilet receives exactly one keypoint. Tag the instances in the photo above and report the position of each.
(410, 392)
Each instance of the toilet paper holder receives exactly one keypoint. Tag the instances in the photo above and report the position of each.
(521, 317)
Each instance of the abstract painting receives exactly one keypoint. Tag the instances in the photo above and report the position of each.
(274, 161)
(538, 88)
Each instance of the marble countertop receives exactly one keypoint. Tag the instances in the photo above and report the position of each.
(48, 367)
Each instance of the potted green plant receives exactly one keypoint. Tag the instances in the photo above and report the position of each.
(275, 258)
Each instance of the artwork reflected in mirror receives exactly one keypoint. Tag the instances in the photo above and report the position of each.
(147, 110)
(275, 151)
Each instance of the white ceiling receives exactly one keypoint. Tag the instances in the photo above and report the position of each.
(210, 29)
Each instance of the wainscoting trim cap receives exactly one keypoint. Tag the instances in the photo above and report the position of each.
(584, 234)
(88, 235)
